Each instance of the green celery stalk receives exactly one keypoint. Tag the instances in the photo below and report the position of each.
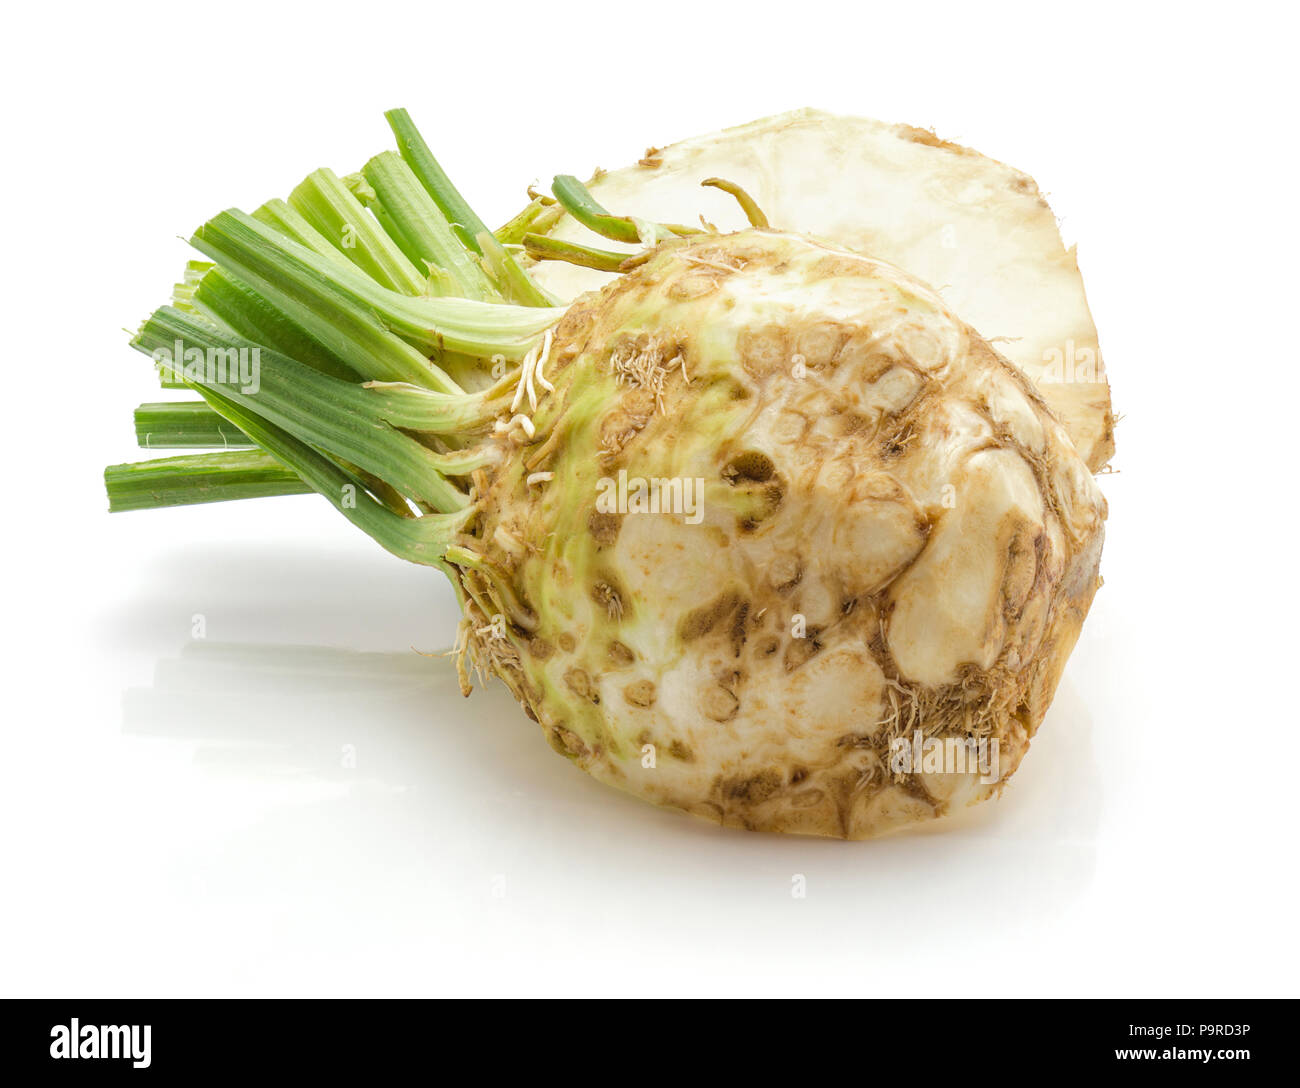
(516, 284)
(185, 424)
(328, 205)
(198, 478)
(240, 308)
(402, 198)
(538, 218)
(290, 274)
(337, 417)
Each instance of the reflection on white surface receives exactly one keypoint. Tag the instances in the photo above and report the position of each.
(332, 716)
(265, 810)
(414, 818)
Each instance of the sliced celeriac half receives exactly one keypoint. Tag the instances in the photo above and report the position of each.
(977, 230)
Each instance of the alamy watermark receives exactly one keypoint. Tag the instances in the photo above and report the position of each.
(116, 1042)
(211, 366)
(945, 755)
(638, 495)
(1071, 365)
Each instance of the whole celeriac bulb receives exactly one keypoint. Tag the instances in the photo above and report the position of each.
(783, 524)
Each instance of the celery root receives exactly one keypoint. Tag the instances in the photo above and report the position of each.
(732, 512)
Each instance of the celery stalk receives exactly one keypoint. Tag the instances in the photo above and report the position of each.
(197, 478)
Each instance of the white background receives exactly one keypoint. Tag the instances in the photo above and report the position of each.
(174, 818)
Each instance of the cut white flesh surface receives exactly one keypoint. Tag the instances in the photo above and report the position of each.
(975, 229)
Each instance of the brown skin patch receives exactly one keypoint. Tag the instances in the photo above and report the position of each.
(730, 679)
(749, 465)
(681, 751)
(640, 693)
(763, 351)
(862, 353)
(1021, 571)
(727, 260)
(801, 651)
(567, 642)
(700, 621)
(569, 743)
(851, 423)
(540, 648)
(839, 265)
(619, 426)
(818, 344)
(739, 632)
(604, 527)
(694, 284)
(620, 656)
(927, 137)
(719, 704)
(754, 789)
(574, 326)
(578, 682)
(772, 496)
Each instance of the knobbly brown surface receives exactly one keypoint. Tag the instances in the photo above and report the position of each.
(894, 535)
